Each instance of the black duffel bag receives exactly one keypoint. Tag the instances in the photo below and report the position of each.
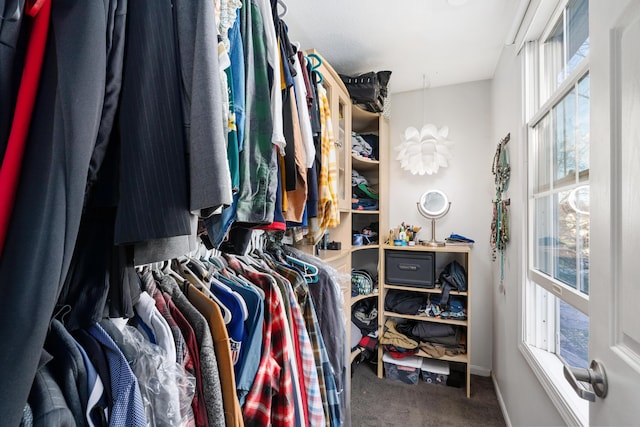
(405, 302)
(368, 89)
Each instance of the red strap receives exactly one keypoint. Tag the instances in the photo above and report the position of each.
(36, 6)
(12, 162)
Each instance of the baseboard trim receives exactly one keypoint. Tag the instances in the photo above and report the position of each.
(479, 370)
(503, 407)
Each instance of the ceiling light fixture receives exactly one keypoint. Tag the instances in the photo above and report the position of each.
(427, 150)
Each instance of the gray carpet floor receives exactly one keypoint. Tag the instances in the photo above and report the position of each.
(387, 403)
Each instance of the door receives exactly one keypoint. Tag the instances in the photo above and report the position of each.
(614, 296)
(341, 112)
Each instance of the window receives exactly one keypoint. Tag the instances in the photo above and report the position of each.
(557, 289)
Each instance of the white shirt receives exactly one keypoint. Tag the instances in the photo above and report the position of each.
(303, 113)
(273, 58)
(146, 309)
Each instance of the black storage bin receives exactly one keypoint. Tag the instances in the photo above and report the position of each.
(410, 268)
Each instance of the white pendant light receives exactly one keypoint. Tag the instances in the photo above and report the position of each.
(425, 151)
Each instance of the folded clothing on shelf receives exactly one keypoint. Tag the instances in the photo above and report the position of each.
(360, 187)
(360, 147)
(364, 204)
(458, 238)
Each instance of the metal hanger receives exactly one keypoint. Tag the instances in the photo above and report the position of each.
(285, 9)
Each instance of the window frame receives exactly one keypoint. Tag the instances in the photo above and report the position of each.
(541, 293)
(572, 296)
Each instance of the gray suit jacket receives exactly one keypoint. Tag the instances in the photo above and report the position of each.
(48, 406)
(68, 370)
(208, 364)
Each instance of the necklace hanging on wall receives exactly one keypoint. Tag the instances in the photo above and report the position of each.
(500, 224)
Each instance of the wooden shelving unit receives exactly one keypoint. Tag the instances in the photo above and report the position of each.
(462, 255)
(346, 118)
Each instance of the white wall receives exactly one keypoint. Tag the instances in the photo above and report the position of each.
(479, 114)
(525, 400)
(468, 182)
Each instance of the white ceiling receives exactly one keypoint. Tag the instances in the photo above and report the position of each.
(448, 44)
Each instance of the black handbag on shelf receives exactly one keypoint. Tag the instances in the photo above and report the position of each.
(368, 90)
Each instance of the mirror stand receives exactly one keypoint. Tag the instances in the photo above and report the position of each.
(433, 205)
(433, 243)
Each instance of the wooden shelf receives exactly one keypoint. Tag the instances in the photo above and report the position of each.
(427, 319)
(328, 256)
(356, 211)
(425, 290)
(422, 248)
(363, 165)
(361, 297)
(355, 354)
(363, 121)
(364, 247)
(460, 358)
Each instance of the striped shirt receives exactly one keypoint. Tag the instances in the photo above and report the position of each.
(313, 329)
(309, 368)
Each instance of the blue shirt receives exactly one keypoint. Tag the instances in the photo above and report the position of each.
(252, 346)
(127, 409)
(235, 327)
(236, 54)
(92, 383)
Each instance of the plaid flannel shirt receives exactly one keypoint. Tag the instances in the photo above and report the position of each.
(328, 179)
(270, 400)
(309, 369)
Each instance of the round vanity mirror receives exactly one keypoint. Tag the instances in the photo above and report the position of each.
(433, 204)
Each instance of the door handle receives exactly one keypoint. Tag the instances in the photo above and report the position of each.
(595, 375)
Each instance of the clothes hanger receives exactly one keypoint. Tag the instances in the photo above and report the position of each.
(194, 257)
(192, 278)
(314, 67)
(194, 262)
(166, 269)
(198, 267)
(61, 313)
(243, 304)
(209, 257)
(309, 271)
(212, 282)
(247, 259)
(285, 9)
(217, 262)
(241, 277)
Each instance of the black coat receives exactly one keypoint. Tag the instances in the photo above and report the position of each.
(46, 215)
